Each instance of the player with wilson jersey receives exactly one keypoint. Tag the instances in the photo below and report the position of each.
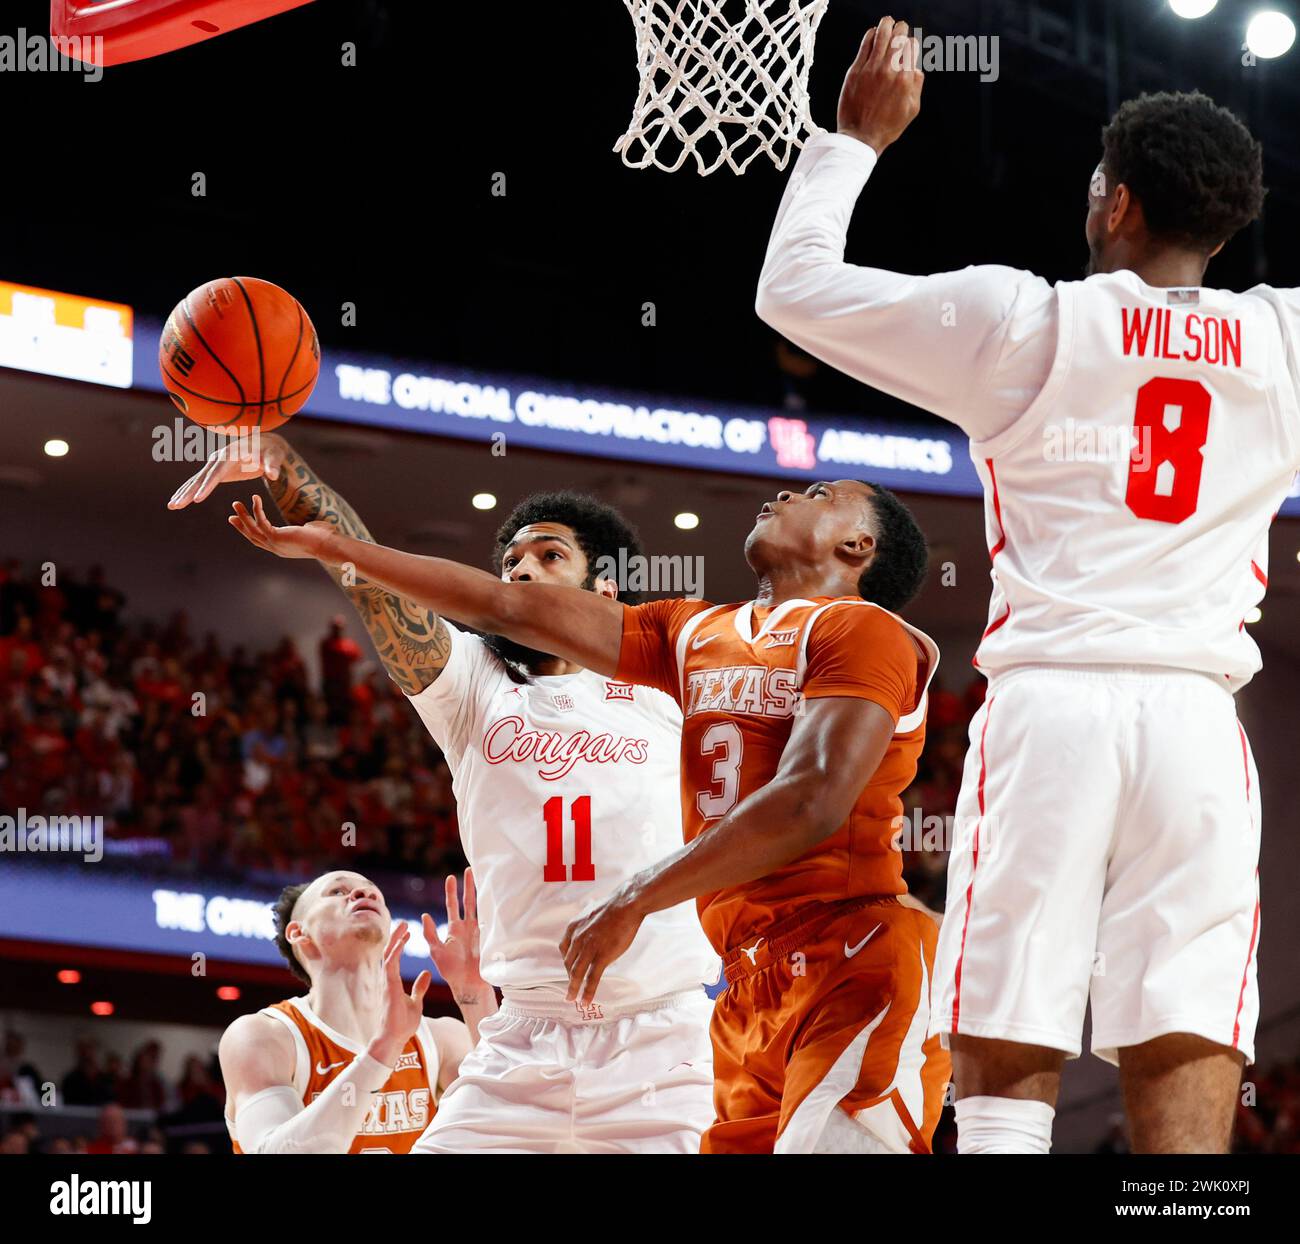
(1136, 433)
(566, 784)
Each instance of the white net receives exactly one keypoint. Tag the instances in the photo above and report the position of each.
(723, 81)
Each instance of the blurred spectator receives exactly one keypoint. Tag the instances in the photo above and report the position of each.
(338, 654)
(14, 1142)
(143, 1088)
(112, 1136)
(19, 1079)
(87, 1084)
(201, 1097)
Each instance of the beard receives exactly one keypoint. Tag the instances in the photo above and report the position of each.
(1093, 266)
(516, 655)
(519, 657)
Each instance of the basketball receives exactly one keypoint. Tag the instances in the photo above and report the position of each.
(239, 353)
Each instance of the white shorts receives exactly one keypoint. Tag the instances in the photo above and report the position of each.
(1106, 846)
(636, 1079)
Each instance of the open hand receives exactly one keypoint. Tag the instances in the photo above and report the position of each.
(232, 464)
(457, 955)
(310, 540)
(881, 95)
(403, 1012)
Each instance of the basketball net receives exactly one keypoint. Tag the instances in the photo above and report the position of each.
(723, 89)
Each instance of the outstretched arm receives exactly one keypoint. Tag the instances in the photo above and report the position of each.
(948, 343)
(410, 640)
(578, 626)
(832, 750)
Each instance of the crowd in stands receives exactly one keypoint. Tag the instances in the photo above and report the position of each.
(231, 762)
(182, 1117)
(228, 761)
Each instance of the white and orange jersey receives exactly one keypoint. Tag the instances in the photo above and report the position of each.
(1134, 442)
(740, 673)
(402, 1109)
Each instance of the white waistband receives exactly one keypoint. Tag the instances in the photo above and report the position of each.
(1099, 672)
(598, 1012)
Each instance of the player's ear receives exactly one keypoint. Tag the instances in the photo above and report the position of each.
(1125, 210)
(607, 588)
(295, 934)
(861, 544)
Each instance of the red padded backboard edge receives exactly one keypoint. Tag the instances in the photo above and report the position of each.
(136, 29)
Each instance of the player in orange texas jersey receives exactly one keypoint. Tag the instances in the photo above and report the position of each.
(804, 715)
(353, 1066)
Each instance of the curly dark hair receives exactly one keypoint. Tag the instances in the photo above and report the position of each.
(601, 530)
(1191, 164)
(284, 906)
(902, 555)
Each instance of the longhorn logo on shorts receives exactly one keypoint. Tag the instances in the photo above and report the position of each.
(752, 952)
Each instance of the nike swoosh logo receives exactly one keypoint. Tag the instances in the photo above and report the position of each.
(848, 954)
(699, 641)
(322, 1068)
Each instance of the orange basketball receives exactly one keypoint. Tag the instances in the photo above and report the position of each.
(239, 353)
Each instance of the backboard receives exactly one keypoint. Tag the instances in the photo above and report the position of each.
(110, 32)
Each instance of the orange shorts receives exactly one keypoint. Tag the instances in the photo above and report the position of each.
(829, 1010)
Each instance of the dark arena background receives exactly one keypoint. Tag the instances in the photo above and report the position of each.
(436, 183)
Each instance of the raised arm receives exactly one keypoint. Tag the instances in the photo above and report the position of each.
(973, 347)
(567, 622)
(411, 641)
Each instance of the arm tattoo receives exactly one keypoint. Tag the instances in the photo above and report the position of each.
(411, 641)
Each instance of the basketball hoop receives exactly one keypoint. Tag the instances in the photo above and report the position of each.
(723, 81)
(136, 29)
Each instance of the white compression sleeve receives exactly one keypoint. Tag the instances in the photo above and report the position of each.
(276, 1121)
(1003, 1125)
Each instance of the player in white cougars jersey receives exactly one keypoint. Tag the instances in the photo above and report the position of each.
(1136, 433)
(567, 784)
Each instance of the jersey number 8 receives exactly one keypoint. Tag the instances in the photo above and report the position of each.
(1164, 472)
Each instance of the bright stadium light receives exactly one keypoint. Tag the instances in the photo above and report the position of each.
(483, 501)
(687, 521)
(1270, 34)
(56, 448)
(1192, 8)
(1254, 615)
